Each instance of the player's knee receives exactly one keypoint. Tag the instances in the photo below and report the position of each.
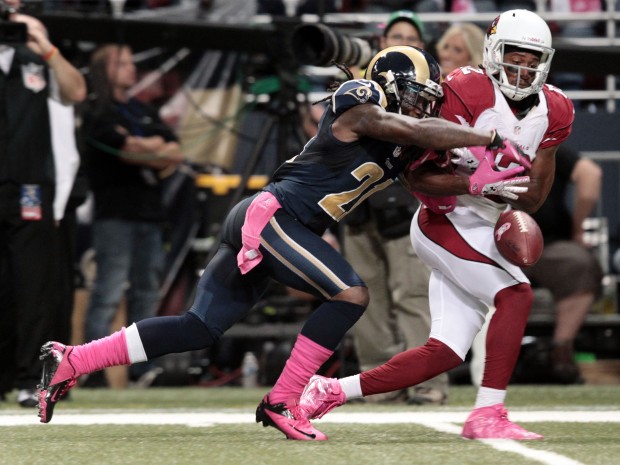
(197, 332)
(517, 296)
(356, 295)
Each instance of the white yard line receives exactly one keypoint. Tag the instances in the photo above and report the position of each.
(444, 421)
(507, 445)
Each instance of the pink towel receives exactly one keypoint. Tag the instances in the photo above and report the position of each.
(257, 216)
(437, 204)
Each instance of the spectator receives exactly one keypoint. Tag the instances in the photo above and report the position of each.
(404, 27)
(376, 242)
(461, 45)
(567, 268)
(28, 74)
(419, 6)
(276, 234)
(128, 151)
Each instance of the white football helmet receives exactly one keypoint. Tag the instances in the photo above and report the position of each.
(523, 29)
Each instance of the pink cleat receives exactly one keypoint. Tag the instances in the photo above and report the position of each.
(57, 378)
(320, 396)
(493, 423)
(289, 420)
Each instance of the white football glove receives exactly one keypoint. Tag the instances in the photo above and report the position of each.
(467, 158)
(508, 189)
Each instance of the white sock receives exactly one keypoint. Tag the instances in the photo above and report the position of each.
(134, 345)
(351, 386)
(488, 396)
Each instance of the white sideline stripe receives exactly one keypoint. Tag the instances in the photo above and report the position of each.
(439, 421)
(561, 416)
(212, 418)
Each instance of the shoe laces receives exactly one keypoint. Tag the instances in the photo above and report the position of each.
(505, 421)
(298, 413)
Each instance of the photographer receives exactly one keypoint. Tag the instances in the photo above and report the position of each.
(31, 70)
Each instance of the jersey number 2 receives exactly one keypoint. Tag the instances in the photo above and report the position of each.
(369, 174)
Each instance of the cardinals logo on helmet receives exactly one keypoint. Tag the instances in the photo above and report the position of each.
(493, 27)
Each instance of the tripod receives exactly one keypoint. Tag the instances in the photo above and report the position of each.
(284, 121)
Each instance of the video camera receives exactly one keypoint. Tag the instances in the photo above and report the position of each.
(11, 33)
(319, 45)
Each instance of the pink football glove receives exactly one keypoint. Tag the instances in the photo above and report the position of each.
(487, 181)
(506, 152)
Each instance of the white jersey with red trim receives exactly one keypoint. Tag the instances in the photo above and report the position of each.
(472, 99)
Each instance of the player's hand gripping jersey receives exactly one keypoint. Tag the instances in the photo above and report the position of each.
(329, 178)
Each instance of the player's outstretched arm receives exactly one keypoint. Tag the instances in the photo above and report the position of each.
(434, 133)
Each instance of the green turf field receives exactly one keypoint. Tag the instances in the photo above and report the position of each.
(215, 426)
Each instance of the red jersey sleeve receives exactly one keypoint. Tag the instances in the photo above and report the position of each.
(561, 116)
(467, 92)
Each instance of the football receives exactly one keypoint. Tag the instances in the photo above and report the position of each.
(518, 238)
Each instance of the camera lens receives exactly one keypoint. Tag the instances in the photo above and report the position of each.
(319, 45)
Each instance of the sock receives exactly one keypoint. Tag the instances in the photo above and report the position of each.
(351, 386)
(330, 321)
(135, 349)
(306, 358)
(505, 333)
(101, 353)
(409, 368)
(488, 396)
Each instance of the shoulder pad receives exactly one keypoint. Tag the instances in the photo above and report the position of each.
(467, 91)
(561, 114)
(560, 106)
(357, 92)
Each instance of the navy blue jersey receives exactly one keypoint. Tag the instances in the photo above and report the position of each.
(329, 178)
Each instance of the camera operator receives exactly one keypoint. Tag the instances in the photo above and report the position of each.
(31, 70)
(71, 84)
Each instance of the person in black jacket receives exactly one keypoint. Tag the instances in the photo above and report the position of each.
(27, 190)
(128, 151)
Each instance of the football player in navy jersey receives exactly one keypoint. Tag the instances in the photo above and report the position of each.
(276, 234)
(468, 273)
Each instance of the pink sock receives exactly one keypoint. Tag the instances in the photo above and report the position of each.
(306, 358)
(101, 353)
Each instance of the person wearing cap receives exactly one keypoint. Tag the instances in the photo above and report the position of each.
(376, 242)
(403, 27)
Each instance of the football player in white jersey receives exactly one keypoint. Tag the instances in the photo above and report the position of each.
(469, 275)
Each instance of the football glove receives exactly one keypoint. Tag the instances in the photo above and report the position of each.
(487, 181)
(511, 153)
